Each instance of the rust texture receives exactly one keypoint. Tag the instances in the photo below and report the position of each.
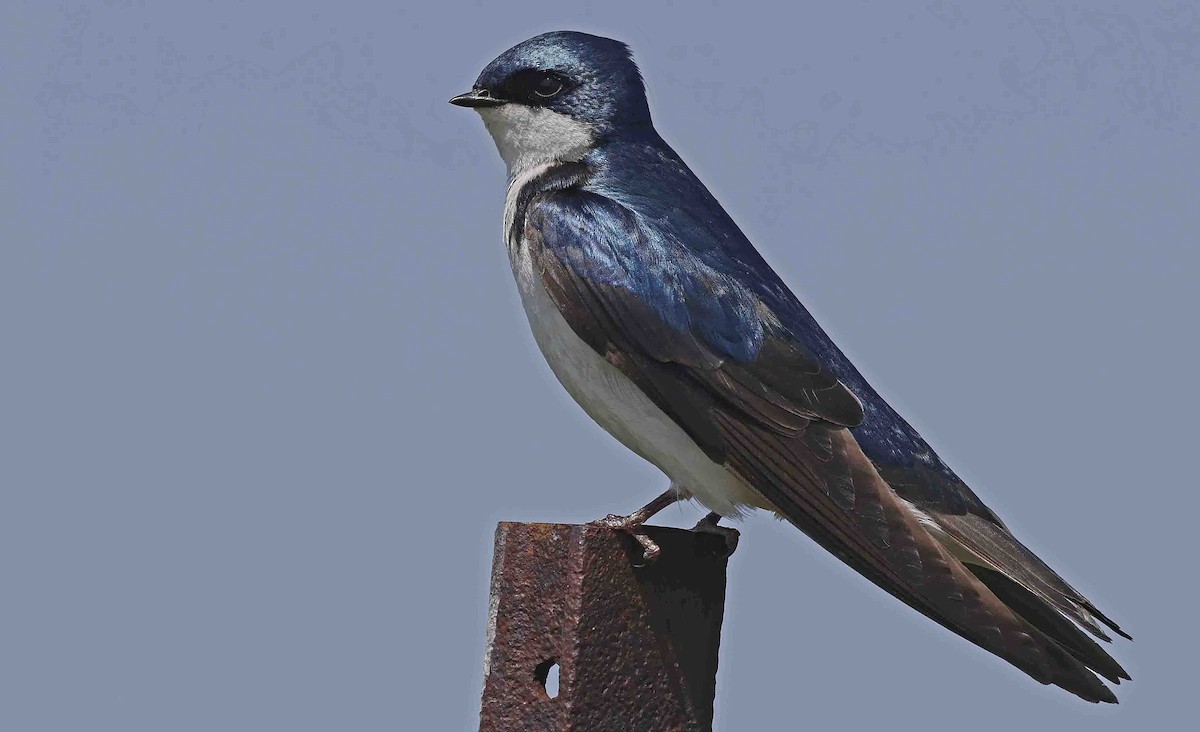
(636, 645)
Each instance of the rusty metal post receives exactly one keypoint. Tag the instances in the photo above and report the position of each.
(636, 645)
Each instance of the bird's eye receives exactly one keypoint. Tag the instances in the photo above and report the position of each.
(547, 86)
(536, 86)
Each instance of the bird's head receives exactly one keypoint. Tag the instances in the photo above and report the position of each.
(556, 96)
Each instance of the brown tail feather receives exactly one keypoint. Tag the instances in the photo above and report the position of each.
(843, 503)
(1004, 553)
(1049, 621)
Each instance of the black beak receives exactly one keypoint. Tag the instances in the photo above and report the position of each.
(477, 98)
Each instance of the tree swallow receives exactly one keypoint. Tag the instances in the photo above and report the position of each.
(666, 325)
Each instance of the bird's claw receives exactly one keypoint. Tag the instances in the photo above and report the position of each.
(632, 525)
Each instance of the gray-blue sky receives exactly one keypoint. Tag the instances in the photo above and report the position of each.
(267, 388)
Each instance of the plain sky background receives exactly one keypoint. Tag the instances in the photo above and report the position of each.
(265, 387)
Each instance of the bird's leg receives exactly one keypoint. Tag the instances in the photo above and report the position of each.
(708, 525)
(632, 524)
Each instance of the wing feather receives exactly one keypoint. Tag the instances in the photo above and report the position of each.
(710, 355)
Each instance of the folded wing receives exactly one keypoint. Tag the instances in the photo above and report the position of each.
(718, 361)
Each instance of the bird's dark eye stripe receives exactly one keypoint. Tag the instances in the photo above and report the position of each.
(532, 85)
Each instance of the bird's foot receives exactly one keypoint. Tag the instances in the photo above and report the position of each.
(634, 525)
(708, 525)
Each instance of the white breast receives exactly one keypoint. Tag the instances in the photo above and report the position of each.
(619, 406)
(530, 140)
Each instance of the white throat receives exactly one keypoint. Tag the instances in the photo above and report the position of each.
(531, 136)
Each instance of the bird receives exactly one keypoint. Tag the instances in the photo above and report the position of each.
(672, 332)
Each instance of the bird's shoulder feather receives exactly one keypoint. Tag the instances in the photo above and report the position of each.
(632, 287)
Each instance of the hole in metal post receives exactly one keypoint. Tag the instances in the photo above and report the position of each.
(546, 674)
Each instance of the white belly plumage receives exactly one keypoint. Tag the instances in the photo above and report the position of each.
(620, 407)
